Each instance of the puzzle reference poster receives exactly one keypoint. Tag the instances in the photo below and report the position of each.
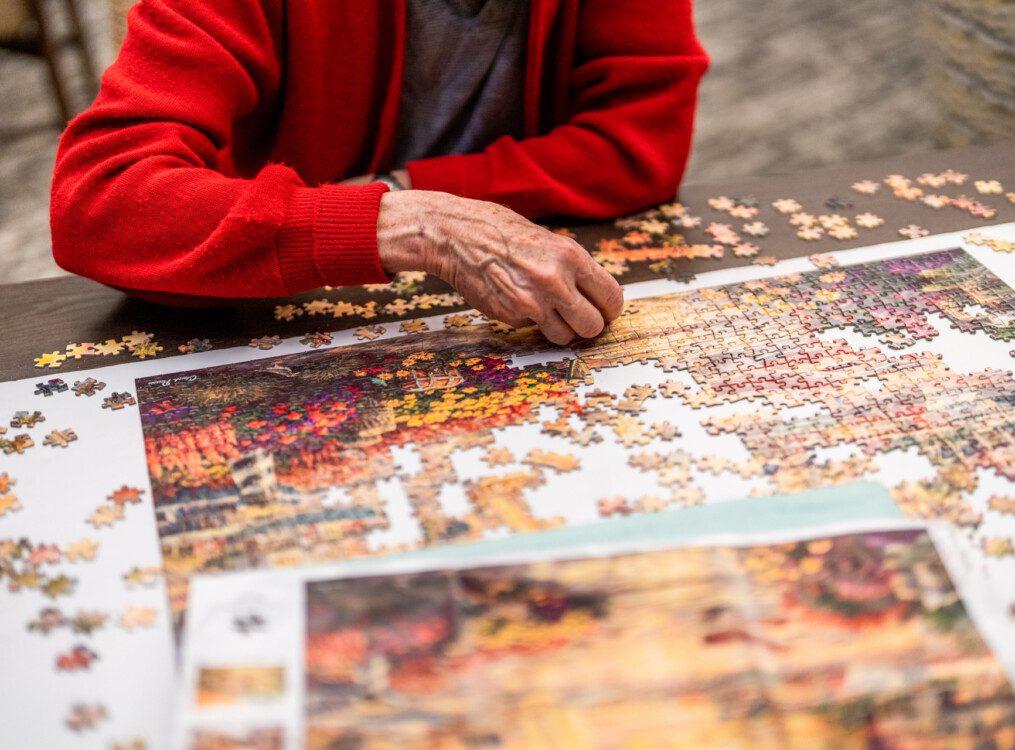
(889, 364)
(848, 640)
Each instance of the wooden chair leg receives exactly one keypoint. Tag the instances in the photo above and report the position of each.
(48, 50)
(87, 66)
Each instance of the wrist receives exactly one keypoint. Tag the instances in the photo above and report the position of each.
(404, 241)
(401, 176)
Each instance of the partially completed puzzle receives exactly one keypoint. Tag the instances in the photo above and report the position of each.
(793, 382)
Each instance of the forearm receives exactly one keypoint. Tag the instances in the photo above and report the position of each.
(159, 223)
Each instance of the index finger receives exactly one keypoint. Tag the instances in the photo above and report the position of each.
(602, 290)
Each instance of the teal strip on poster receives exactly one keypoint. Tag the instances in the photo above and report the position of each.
(831, 508)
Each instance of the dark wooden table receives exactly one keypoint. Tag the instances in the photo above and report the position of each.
(44, 316)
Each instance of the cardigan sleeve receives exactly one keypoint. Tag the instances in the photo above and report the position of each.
(633, 91)
(143, 194)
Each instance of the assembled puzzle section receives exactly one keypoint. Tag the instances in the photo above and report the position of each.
(291, 460)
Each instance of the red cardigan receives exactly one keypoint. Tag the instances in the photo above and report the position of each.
(205, 166)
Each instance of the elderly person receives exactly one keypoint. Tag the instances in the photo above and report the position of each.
(245, 148)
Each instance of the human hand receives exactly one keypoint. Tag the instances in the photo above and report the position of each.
(502, 264)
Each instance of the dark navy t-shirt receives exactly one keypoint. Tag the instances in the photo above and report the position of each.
(462, 86)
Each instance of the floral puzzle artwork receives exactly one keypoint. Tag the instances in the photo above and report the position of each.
(776, 385)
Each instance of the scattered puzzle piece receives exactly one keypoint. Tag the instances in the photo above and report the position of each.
(17, 444)
(823, 260)
(614, 506)
(83, 549)
(109, 347)
(194, 346)
(51, 386)
(787, 206)
(87, 387)
(497, 457)
(84, 716)
(125, 496)
(399, 307)
(287, 312)
(997, 245)
(146, 350)
(60, 585)
(142, 576)
(913, 231)
(77, 351)
(1002, 504)
(560, 462)
(413, 326)
(457, 321)
(137, 617)
(929, 179)
(118, 401)
(342, 309)
(998, 547)
(868, 220)
(316, 339)
(368, 333)
(79, 658)
(44, 554)
(265, 343)
(87, 622)
(52, 359)
(319, 307)
(866, 187)
(60, 438)
(136, 338)
(105, 515)
(8, 500)
(743, 212)
(664, 431)
(9, 503)
(937, 202)
(630, 431)
(26, 419)
(649, 504)
(988, 187)
(48, 619)
(842, 233)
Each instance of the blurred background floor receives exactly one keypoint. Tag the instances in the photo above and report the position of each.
(794, 84)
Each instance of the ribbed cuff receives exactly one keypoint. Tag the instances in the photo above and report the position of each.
(329, 237)
(467, 175)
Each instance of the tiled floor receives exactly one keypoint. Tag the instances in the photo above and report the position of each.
(794, 84)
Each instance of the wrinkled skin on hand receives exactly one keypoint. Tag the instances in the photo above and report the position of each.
(502, 264)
